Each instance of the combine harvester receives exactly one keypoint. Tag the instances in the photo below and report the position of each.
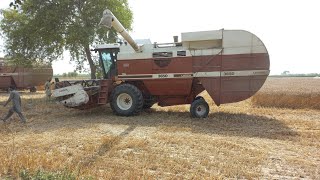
(231, 65)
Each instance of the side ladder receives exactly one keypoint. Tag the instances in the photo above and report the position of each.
(103, 93)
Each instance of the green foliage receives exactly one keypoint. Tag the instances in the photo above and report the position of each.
(72, 74)
(99, 73)
(9, 61)
(40, 30)
(44, 175)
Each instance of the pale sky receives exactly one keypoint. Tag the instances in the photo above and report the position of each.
(288, 28)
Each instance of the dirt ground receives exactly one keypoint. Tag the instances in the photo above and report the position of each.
(236, 141)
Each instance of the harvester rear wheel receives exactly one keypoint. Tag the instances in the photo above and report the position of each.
(198, 97)
(126, 100)
(199, 108)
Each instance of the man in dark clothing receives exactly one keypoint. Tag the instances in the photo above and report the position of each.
(16, 102)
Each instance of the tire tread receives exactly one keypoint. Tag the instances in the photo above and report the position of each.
(136, 93)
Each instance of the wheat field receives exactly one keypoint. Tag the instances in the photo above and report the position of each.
(284, 92)
(239, 140)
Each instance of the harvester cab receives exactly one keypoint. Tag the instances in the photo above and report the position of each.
(108, 59)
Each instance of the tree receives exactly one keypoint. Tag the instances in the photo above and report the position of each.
(38, 30)
(72, 74)
(284, 73)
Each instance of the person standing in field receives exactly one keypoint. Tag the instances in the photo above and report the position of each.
(47, 87)
(16, 102)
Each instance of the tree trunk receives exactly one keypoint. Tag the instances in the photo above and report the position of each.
(92, 66)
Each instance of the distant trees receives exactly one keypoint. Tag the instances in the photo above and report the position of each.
(285, 73)
(70, 74)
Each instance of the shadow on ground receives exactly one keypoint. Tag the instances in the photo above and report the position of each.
(220, 123)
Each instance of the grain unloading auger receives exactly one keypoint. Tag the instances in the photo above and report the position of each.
(231, 65)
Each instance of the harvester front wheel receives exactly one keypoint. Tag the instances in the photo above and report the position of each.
(199, 108)
(126, 100)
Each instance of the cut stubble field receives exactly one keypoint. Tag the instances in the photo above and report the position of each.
(240, 140)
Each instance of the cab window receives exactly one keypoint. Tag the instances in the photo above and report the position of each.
(106, 61)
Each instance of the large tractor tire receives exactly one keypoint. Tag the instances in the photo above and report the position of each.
(126, 100)
(198, 97)
(199, 108)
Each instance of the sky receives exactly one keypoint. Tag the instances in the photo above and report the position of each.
(288, 28)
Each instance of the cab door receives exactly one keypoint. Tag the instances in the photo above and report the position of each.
(108, 59)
